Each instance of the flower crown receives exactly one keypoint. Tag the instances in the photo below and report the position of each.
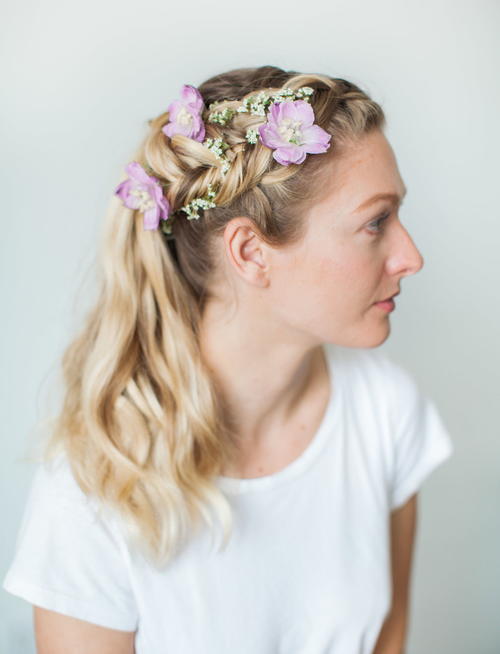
(289, 130)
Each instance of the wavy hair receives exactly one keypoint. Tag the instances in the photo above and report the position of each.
(142, 422)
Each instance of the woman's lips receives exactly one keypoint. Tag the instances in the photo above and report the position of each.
(386, 305)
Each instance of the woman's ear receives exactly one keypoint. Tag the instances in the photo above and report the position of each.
(246, 251)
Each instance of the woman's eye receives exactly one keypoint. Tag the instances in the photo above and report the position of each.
(375, 224)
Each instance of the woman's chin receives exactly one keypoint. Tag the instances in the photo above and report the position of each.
(379, 335)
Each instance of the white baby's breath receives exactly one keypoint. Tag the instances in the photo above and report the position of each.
(218, 147)
(252, 135)
(221, 117)
(205, 202)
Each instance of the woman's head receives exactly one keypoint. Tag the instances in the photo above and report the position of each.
(353, 254)
(292, 230)
(143, 422)
(274, 197)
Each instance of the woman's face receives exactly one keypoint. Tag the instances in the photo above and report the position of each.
(354, 254)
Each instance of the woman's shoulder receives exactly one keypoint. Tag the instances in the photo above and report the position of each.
(373, 381)
(68, 557)
(56, 497)
(414, 440)
(53, 477)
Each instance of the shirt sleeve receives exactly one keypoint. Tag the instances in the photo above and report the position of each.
(67, 557)
(421, 440)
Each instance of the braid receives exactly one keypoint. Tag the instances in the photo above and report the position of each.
(225, 171)
(188, 168)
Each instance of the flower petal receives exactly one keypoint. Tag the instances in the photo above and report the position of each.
(173, 109)
(192, 97)
(176, 128)
(270, 136)
(164, 207)
(161, 201)
(123, 189)
(316, 139)
(299, 110)
(152, 218)
(274, 113)
(289, 154)
(136, 172)
(198, 129)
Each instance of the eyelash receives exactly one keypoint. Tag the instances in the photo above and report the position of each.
(377, 222)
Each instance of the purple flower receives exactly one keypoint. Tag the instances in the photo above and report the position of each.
(290, 132)
(144, 193)
(185, 115)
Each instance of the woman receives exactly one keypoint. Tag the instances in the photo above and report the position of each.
(227, 383)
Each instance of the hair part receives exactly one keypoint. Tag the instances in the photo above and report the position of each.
(142, 423)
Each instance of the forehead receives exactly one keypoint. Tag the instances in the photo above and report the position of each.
(360, 171)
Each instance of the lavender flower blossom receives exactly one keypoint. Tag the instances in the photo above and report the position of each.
(185, 115)
(144, 193)
(290, 132)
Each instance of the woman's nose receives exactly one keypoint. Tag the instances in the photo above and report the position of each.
(406, 258)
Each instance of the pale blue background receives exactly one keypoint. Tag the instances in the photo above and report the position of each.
(79, 82)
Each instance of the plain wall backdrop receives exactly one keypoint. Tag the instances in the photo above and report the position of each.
(79, 82)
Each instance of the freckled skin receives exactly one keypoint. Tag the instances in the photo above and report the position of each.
(326, 285)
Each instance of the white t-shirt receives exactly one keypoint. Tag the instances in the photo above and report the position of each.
(307, 569)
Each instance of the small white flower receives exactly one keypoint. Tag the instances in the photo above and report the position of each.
(252, 135)
(205, 202)
(218, 147)
(222, 117)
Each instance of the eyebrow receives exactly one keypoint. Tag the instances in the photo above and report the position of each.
(394, 197)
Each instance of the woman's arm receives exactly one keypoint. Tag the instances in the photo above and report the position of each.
(392, 637)
(59, 634)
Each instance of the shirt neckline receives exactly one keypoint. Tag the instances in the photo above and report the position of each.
(328, 422)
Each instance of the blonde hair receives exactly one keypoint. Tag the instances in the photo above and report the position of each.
(142, 423)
